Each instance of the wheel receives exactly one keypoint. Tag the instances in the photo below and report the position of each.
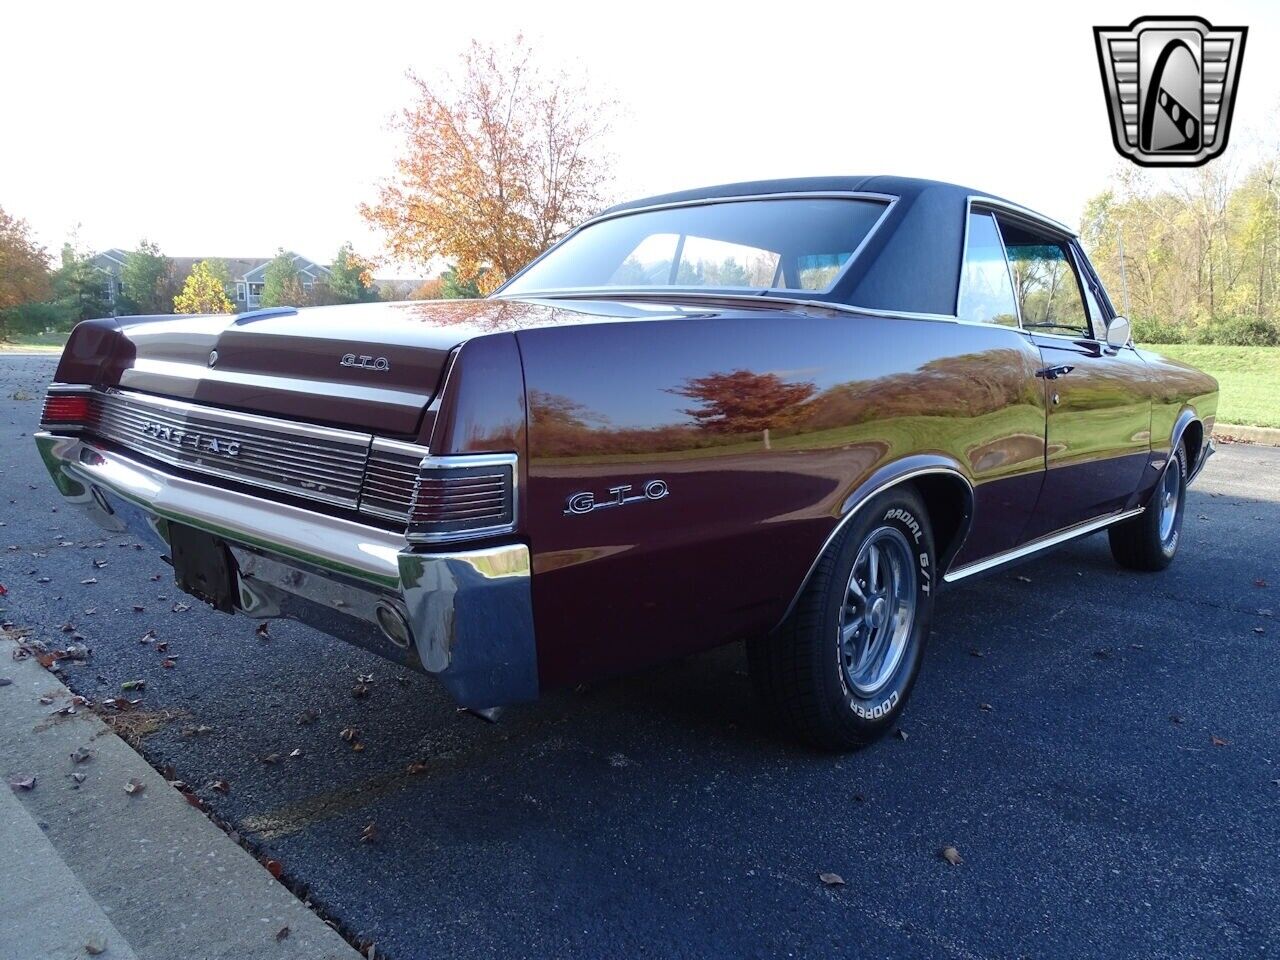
(839, 671)
(1150, 540)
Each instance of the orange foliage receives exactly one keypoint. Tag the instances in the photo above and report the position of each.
(24, 266)
(428, 290)
(496, 167)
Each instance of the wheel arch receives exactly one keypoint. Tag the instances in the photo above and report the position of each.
(948, 496)
(1189, 429)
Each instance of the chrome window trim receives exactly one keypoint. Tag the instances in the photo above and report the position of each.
(1042, 543)
(889, 200)
(471, 460)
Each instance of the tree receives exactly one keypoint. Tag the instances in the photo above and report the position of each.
(496, 167)
(146, 281)
(350, 279)
(744, 402)
(428, 290)
(282, 284)
(452, 287)
(79, 287)
(205, 290)
(24, 265)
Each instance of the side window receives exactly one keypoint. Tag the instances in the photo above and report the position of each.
(1097, 316)
(1045, 281)
(986, 292)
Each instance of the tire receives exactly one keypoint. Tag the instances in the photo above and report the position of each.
(1149, 541)
(838, 672)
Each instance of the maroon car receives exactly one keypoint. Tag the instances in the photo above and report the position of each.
(784, 412)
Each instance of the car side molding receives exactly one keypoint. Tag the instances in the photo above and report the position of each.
(900, 472)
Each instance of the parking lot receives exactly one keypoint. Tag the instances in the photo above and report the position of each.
(1101, 747)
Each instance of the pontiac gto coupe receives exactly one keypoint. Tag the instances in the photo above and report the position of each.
(785, 412)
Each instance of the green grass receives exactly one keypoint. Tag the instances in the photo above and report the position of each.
(35, 342)
(1248, 378)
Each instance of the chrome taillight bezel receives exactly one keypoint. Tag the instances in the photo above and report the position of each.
(63, 391)
(464, 468)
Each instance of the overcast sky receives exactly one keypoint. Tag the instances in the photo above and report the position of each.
(231, 129)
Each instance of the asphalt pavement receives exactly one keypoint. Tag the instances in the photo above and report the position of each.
(1101, 747)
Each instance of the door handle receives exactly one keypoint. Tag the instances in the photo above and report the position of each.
(1054, 372)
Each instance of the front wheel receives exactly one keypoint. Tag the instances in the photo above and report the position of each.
(1150, 540)
(839, 671)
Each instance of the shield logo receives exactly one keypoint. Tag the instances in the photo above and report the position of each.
(1170, 84)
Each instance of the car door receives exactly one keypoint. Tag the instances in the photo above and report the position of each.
(1097, 399)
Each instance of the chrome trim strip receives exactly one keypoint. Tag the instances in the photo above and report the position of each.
(1019, 211)
(1043, 543)
(320, 540)
(909, 475)
(889, 200)
(247, 419)
(400, 448)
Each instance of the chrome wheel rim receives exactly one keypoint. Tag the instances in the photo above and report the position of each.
(878, 611)
(1170, 487)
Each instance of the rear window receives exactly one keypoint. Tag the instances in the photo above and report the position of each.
(794, 244)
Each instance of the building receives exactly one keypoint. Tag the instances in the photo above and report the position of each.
(247, 275)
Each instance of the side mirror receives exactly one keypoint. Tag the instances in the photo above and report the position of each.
(1119, 333)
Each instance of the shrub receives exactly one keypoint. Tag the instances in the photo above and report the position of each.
(1152, 330)
(1240, 332)
(32, 318)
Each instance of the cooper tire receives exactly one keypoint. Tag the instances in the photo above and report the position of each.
(839, 670)
(1149, 541)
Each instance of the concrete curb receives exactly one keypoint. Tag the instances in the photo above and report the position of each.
(1269, 436)
(146, 872)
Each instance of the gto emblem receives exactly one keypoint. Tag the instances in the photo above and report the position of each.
(620, 496)
(199, 442)
(381, 364)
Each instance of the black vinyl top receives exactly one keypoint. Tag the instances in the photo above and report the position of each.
(912, 261)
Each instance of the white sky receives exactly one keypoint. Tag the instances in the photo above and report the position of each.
(232, 129)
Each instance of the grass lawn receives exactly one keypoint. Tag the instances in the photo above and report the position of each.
(35, 343)
(1248, 377)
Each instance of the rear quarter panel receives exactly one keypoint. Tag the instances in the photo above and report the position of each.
(685, 401)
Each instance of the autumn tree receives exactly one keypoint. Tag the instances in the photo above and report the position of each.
(350, 279)
(744, 402)
(146, 281)
(498, 164)
(24, 266)
(205, 290)
(282, 283)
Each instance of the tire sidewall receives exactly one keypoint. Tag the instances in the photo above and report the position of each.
(866, 717)
(1178, 461)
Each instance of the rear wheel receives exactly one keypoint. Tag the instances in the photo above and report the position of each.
(839, 671)
(1149, 541)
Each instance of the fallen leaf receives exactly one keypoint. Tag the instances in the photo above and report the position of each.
(951, 855)
(975, 652)
(23, 783)
(360, 690)
(79, 778)
(46, 700)
(369, 833)
(5, 681)
(139, 608)
(275, 868)
(831, 879)
(1218, 741)
(99, 564)
(1255, 630)
(181, 608)
(416, 767)
(900, 734)
(295, 752)
(168, 663)
(81, 755)
(134, 685)
(1175, 717)
(271, 758)
(220, 785)
(308, 716)
(263, 631)
(282, 934)
(162, 646)
(349, 734)
(984, 706)
(134, 786)
(89, 581)
(1259, 582)
(357, 747)
(96, 946)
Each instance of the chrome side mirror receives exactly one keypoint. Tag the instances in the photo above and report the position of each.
(1119, 333)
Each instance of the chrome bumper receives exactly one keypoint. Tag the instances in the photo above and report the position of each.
(469, 612)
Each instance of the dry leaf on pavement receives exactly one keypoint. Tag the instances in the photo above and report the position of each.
(951, 855)
(831, 879)
(369, 833)
(23, 783)
(134, 786)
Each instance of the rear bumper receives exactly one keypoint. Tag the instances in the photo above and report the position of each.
(469, 612)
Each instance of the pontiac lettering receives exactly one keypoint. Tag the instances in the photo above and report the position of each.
(186, 439)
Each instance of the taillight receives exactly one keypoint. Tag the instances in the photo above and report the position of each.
(463, 497)
(66, 408)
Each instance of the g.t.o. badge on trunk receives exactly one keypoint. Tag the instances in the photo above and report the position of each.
(1170, 84)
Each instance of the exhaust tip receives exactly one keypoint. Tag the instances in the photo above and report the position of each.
(394, 625)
